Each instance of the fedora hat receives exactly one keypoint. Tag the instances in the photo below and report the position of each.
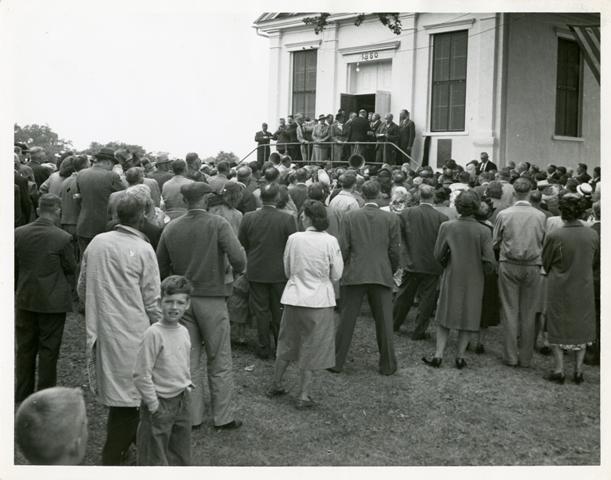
(106, 153)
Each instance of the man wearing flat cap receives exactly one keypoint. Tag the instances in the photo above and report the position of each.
(93, 187)
(197, 245)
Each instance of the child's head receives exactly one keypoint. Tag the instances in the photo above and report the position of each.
(175, 297)
(51, 427)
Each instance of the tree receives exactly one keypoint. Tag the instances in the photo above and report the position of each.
(42, 136)
(390, 20)
(94, 147)
(230, 157)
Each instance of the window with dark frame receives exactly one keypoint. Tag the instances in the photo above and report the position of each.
(568, 89)
(304, 82)
(449, 81)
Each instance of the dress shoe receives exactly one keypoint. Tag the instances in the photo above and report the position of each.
(480, 349)
(197, 427)
(303, 404)
(276, 392)
(333, 370)
(556, 377)
(545, 350)
(578, 378)
(233, 425)
(434, 362)
(460, 363)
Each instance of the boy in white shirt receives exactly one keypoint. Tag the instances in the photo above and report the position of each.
(162, 377)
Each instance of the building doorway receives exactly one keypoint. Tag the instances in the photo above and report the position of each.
(378, 102)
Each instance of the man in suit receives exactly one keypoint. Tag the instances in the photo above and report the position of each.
(419, 229)
(485, 165)
(44, 277)
(299, 191)
(407, 133)
(387, 132)
(262, 137)
(370, 243)
(37, 158)
(294, 150)
(94, 186)
(263, 234)
(359, 128)
(281, 137)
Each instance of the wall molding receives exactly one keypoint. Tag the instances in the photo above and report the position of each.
(393, 45)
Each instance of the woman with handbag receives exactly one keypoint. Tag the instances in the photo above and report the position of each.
(464, 249)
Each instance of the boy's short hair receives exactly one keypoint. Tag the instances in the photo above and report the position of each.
(50, 426)
(176, 284)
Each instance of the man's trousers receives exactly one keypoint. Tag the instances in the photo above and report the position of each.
(265, 307)
(424, 284)
(36, 335)
(519, 291)
(208, 320)
(380, 302)
(121, 431)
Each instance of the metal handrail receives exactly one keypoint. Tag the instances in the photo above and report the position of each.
(393, 145)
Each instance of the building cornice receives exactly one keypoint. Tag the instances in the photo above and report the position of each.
(466, 23)
(393, 45)
(305, 45)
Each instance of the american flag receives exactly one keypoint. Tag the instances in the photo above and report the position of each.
(588, 38)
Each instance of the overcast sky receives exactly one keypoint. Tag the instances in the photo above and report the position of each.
(168, 76)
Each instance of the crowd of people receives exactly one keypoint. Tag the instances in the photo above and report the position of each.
(335, 138)
(166, 258)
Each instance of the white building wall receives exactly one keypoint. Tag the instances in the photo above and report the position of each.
(531, 97)
(516, 93)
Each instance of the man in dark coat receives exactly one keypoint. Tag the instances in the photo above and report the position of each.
(407, 133)
(419, 229)
(23, 202)
(44, 276)
(359, 128)
(299, 191)
(387, 132)
(281, 137)
(262, 137)
(294, 150)
(162, 174)
(485, 165)
(37, 158)
(263, 234)
(370, 243)
(94, 186)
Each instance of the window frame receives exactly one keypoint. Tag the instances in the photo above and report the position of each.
(305, 92)
(563, 134)
(450, 82)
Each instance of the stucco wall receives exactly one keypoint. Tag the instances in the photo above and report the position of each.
(531, 97)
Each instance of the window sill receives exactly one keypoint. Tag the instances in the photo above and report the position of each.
(567, 139)
(445, 134)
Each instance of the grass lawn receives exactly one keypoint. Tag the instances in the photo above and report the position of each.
(486, 414)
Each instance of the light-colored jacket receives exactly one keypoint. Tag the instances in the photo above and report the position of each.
(312, 261)
(119, 283)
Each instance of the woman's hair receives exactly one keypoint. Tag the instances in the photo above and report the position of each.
(486, 209)
(232, 194)
(317, 213)
(467, 203)
(66, 168)
(571, 207)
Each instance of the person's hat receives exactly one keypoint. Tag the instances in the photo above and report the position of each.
(542, 183)
(106, 153)
(323, 177)
(192, 192)
(322, 117)
(23, 146)
(585, 189)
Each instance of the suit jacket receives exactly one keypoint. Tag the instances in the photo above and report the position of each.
(419, 229)
(489, 166)
(407, 135)
(358, 130)
(263, 234)
(263, 138)
(95, 186)
(40, 173)
(370, 241)
(23, 203)
(44, 268)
